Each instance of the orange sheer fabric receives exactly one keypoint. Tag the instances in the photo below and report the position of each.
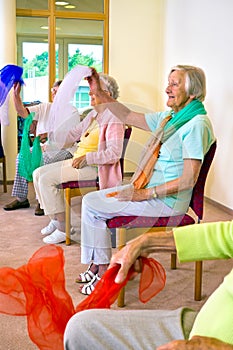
(37, 290)
(149, 157)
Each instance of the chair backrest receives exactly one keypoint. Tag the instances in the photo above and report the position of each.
(128, 131)
(197, 200)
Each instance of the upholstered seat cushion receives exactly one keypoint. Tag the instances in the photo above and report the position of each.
(79, 184)
(145, 221)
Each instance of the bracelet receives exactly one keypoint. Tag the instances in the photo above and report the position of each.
(154, 194)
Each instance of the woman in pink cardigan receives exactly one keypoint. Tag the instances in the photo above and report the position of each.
(100, 137)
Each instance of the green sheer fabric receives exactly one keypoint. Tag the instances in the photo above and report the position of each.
(30, 158)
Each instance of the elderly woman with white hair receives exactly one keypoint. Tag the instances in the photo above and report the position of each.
(98, 154)
(188, 136)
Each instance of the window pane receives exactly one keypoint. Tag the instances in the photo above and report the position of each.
(81, 6)
(82, 43)
(33, 57)
(32, 4)
(88, 55)
(84, 54)
(35, 75)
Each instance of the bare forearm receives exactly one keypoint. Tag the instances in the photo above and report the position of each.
(160, 191)
(122, 112)
(173, 187)
(21, 110)
(153, 242)
(185, 182)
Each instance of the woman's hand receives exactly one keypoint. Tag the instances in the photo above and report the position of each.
(43, 137)
(94, 82)
(197, 343)
(130, 194)
(17, 88)
(79, 162)
(128, 256)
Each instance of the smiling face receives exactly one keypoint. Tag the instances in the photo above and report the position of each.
(94, 100)
(177, 95)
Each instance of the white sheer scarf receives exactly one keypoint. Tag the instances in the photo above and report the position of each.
(63, 115)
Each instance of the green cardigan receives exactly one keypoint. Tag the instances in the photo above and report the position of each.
(205, 242)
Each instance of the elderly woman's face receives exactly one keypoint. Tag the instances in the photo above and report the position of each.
(177, 96)
(94, 100)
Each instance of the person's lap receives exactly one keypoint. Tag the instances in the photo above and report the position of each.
(127, 329)
(107, 207)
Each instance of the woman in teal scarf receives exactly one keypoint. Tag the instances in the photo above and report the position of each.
(167, 191)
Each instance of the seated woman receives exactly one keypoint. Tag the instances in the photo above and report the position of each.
(98, 154)
(173, 176)
(211, 328)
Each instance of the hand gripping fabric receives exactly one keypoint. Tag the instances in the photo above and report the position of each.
(37, 290)
(9, 75)
(152, 281)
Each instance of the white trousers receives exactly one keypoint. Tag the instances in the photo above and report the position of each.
(97, 208)
(104, 329)
(47, 177)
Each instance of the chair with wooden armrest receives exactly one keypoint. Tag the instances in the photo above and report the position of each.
(80, 188)
(124, 223)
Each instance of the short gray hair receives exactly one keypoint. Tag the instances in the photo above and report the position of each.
(195, 81)
(111, 85)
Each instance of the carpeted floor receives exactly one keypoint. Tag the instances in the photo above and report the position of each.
(20, 238)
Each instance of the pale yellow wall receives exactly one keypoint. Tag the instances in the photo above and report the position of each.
(134, 61)
(200, 32)
(148, 37)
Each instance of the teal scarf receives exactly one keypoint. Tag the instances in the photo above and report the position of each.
(151, 151)
(194, 108)
(29, 160)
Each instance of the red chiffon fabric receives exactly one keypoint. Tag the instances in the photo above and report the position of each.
(37, 290)
(152, 281)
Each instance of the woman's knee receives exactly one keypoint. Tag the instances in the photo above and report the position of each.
(87, 198)
(35, 175)
(76, 330)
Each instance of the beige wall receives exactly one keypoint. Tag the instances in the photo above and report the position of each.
(147, 38)
(134, 61)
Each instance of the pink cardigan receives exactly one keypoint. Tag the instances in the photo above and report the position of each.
(110, 146)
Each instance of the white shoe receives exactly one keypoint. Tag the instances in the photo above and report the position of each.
(49, 229)
(55, 237)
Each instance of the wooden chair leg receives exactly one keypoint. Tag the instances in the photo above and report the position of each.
(198, 280)
(173, 261)
(121, 234)
(121, 298)
(67, 214)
